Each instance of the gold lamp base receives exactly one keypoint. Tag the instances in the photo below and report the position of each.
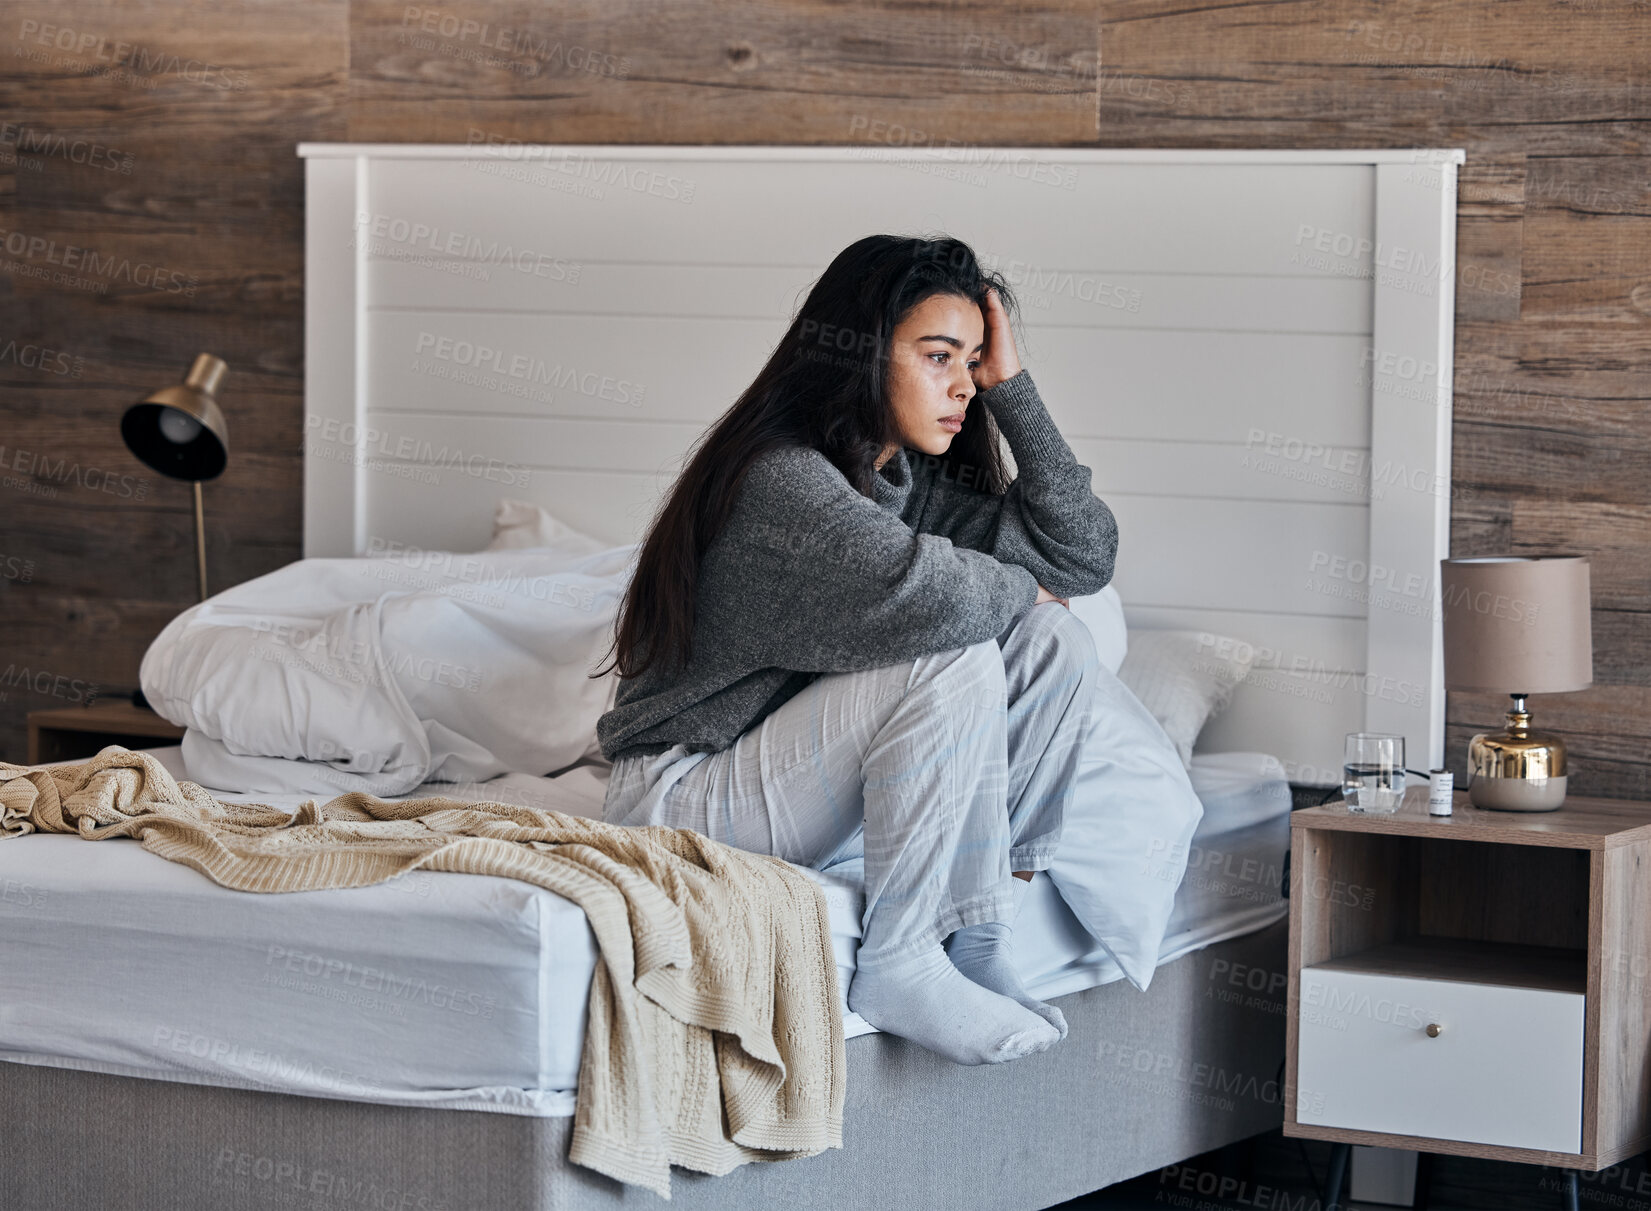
(1517, 770)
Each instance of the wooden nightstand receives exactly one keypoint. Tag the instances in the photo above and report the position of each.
(64, 735)
(1473, 984)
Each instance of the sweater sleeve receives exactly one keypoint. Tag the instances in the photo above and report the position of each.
(835, 583)
(1049, 521)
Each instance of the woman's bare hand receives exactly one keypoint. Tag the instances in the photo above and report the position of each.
(998, 360)
(1045, 595)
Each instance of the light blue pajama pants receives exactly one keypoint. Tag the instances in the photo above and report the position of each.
(944, 773)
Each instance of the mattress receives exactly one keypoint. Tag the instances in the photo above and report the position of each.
(449, 990)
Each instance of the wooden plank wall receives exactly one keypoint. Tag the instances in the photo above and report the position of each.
(159, 136)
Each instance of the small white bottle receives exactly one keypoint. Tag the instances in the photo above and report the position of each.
(1440, 784)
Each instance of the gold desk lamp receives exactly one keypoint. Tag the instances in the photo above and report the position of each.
(180, 432)
(1517, 626)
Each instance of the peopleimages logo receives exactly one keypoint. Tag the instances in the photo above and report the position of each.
(520, 366)
(38, 357)
(77, 151)
(48, 684)
(400, 235)
(1024, 165)
(287, 1181)
(1394, 257)
(72, 258)
(592, 171)
(1357, 1003)
(13, 567)
(542, 53)
(410, 989)
(23, 895)
(63, 472)
(361, 441)
(140, 60)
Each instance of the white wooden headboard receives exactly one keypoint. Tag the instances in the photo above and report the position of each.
(1271, 424)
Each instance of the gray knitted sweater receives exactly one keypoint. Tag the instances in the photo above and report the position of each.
(809, 577)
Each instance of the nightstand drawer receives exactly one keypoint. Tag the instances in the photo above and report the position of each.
(1505, 1067)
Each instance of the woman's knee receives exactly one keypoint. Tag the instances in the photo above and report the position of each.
(1051, 628)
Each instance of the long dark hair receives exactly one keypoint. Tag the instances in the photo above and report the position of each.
(825, 386)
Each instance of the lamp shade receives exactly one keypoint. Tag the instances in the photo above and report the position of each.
(1517, 625)
(180, 431)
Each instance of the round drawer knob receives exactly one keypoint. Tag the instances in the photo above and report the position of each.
(1434, 1030)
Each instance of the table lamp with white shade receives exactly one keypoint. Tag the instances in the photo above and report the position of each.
(1517, 626)
(180, 432)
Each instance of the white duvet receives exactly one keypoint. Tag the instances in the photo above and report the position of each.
(382, 673)
(378, 674)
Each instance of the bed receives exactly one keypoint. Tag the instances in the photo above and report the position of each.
(1291, 278)
(459, 1000)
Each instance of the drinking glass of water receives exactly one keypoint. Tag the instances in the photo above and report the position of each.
(1372, 775)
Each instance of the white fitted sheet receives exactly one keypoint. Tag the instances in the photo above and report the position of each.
(448, 990)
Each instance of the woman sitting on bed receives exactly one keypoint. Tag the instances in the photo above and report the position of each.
(846, 634)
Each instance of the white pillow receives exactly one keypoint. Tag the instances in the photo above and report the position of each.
(1103, 614)
(1125, 841)
(521, 524)
(1184, 678)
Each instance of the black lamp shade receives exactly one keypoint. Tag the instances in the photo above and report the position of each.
(180, 431)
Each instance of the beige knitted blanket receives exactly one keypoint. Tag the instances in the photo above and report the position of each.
(715, 1032)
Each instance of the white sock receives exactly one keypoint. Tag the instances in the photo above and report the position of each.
(981, 952)
(929, 1001)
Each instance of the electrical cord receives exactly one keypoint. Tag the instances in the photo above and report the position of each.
(1306, 1161)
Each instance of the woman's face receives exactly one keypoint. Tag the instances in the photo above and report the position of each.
(935, 348)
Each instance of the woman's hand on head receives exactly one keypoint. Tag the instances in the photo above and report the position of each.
(999, 360)
(1045, 595)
